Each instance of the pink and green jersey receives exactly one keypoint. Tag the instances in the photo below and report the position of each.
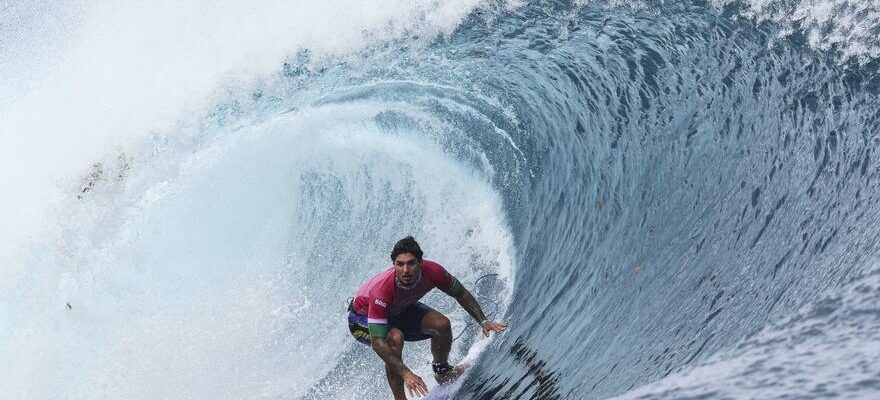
(384, 297)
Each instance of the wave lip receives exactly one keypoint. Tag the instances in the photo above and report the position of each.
(82, 79)
(848, 28)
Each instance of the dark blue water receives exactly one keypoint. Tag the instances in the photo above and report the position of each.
(681, 180)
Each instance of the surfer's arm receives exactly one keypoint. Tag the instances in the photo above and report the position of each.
(413, 382)
(451, 286)
(469, 303)
(377, 324)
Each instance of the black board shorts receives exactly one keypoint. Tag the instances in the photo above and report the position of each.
(409, 322)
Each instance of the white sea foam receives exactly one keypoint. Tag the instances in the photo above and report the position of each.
(195, 267)
(848, 27)
(220, 271)
(82, 78)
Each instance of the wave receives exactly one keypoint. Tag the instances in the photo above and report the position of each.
(662, 189)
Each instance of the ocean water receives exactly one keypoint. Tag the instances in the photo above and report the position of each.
(671, 201)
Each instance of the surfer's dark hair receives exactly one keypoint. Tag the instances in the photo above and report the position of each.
(406, 245)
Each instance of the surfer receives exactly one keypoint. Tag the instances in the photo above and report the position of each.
(386, 312)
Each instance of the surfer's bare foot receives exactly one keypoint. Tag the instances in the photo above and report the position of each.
(452, 375)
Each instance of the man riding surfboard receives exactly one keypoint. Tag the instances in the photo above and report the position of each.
(386, 312)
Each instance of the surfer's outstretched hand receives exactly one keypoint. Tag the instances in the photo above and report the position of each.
(414, 384)
(490, 326)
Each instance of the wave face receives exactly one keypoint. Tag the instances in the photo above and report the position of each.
(677, 200)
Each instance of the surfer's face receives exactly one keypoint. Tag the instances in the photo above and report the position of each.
(406, 266)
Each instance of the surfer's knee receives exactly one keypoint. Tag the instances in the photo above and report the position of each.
(438, 324)
(395, 339)
(443, 324)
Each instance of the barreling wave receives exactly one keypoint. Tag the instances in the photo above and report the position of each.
(666, 192)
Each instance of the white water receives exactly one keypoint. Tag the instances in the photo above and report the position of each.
(205, 264)
(221, 271)
(82, 79)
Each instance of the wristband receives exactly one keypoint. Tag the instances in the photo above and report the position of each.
(483, 322)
